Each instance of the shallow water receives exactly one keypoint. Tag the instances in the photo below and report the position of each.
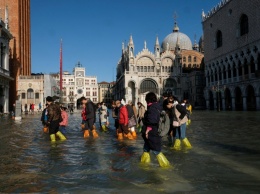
(224, 159)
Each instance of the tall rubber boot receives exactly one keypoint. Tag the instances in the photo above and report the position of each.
(60, 135)
(45, 129)
(129, 136)
(163, 162)
(134, 134)
(86, 133)
(82, 126)
(145, 158)
(94, 133)
(186, 143)
(104, 128)
(120, 136)
(53, 138)
(177, 144)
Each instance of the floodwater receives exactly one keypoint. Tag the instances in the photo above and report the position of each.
(225, 158)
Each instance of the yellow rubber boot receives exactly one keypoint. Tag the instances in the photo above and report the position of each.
(104, 128)
(120, 136)
(45, 129)
(163, 162)
(60, 135)
(177, 145)
(53, 138)
(186, 143)
(94, 133)
(86, 133)
(134, 134)
(129, 136)
(145, 158)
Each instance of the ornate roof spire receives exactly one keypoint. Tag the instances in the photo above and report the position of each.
(175, 28)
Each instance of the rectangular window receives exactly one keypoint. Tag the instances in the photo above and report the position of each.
(30, 95)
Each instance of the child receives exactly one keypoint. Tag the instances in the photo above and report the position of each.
(64, 121)
(44, 119)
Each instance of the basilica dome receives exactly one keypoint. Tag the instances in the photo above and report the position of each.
(176, 36)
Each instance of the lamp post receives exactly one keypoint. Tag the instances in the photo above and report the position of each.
(218, 89)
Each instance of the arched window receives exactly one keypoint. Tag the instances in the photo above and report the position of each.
(30, 93)
(148, 85)
(219, 38)
(243, 24)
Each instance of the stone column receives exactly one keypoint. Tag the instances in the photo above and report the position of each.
(244, 103)
(223, 102)
(232, 75)
(249, 71)
(237, 77)
(233, 103)
(257, 98)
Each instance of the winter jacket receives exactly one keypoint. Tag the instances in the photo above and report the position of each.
(180, 113)
(152, 118)
(65, 118)
(90, 110)
(123, 115)
(141, 111)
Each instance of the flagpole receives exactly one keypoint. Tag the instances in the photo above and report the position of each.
(61, 93)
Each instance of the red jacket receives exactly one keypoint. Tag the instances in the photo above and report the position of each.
(123, 115)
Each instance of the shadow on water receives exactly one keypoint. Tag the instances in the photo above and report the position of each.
(224, 159)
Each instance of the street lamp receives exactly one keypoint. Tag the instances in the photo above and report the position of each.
(218, 89)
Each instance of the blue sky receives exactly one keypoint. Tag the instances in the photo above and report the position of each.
(92, 31)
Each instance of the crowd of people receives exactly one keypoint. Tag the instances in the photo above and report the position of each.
(129, 121)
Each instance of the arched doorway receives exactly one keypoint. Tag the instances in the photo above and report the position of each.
(250, 98)
(228, 99)
(211, 101)
(147, 85)
(170, 86)
(238, 99)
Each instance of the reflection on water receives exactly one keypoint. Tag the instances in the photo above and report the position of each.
(224, 159)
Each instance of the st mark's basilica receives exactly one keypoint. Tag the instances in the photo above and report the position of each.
(173, 67)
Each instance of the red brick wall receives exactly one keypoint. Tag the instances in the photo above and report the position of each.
(20, 45)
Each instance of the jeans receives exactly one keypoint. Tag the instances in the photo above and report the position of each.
(147, 149)
(181, 132)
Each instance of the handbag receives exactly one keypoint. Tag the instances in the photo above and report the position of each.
(176, 124)
(132, 122)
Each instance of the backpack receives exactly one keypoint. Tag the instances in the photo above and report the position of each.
(164, 124)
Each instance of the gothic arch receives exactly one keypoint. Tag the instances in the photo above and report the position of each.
(250, 98)
(238, 99)
(148, 85)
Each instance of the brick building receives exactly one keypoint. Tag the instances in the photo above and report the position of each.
(18, 21)
(232, 55)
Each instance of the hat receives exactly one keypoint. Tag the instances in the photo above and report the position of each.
(49, 99)
(123, 102)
